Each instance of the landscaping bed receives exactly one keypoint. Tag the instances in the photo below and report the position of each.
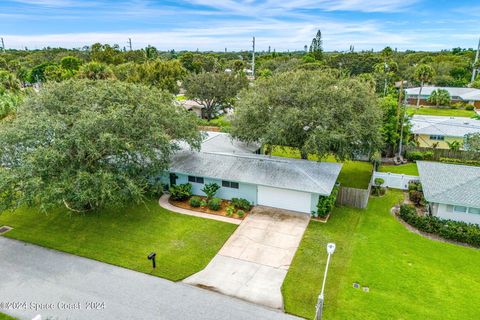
(223, 211)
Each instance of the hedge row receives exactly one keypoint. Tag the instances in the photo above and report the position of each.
(448, 229)
(461, 161)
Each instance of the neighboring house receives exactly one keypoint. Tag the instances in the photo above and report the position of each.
(291, 184)
(452, 190)
(467, 95)
(436, 131)
(193, 106)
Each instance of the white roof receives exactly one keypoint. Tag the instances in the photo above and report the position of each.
(450, 183)
(444, 126)
(293, 174)
(467, 94)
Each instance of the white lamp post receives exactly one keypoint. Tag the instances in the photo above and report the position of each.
(319, 308)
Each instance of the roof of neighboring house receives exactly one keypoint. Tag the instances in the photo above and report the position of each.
(467, 94)
(293, 174)
(224, 143)
(444, 126)
(191, 104)
(450, 183)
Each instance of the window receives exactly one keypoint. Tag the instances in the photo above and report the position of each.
(437, 137)
(229, 184)
(195, 179)
(460, 209)
(474, 210)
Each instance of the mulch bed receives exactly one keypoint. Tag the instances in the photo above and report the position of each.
(222, 212)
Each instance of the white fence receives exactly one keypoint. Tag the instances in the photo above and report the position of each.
(395, 180)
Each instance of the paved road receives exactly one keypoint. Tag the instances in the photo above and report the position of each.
(54, 281)
(254, 261)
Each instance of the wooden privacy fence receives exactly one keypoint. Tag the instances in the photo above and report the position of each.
(447, 153)
(353, 197)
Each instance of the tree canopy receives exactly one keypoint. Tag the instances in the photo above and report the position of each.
(440, 97)
(214, 90)
(87, 144)
(318, 112)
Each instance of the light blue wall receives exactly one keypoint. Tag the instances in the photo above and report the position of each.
(245, 191)
(314, 202)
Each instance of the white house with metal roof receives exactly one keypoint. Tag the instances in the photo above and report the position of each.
(453, 191)
(437, 131)
(291, 184)
(467, 95)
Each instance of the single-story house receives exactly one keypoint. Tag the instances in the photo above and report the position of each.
(467, 95)
(191, 105)
(291, 184)
(451, 190)
(436, 131)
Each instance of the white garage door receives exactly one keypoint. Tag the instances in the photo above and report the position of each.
(285, 199)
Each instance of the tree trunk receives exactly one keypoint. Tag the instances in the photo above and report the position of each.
(419, 94)
(304, 155)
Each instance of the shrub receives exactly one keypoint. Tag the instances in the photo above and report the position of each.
(326, 204)
(416, 197)
(377, 188)
(195, 202)
(419, 155)
(215, 204)
(240, 213)
(230, 210)
(203, 203)
(210, 189)
(241, 203)
(448, 229)
(415, 185)
(180, 192)
(461, 161)
(469, 107)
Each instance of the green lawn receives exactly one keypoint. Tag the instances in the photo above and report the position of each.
(411, 110)
(409, 276)
(354, 174)
(184, 244)
(408, 169)
(6, 317)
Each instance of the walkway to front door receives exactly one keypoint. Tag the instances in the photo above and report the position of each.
(254, 262)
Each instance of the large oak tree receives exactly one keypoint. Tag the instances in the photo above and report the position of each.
(317, 112)
(87, 144)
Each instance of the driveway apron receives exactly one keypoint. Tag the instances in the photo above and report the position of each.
(254, 261)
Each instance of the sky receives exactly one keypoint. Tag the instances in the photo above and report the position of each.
(218, 24)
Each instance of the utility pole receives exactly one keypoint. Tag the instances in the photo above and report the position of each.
(474, 72)
(130, 43)
(401, 101)
(253, 58)
(3, 45)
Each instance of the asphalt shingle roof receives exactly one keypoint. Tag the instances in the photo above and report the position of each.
(467, 94)
(450, 183)
(293, 174)
(445, 126)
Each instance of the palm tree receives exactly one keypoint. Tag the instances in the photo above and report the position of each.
(440, 97)
(454, 145)
(423, 73)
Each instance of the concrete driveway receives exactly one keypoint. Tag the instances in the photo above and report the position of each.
(57, 285)
(254, 261)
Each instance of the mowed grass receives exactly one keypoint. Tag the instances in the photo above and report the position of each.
(354, 174)
(408, 169)
(409, 276)
(6, 317)
(184, 244)
(427, 111)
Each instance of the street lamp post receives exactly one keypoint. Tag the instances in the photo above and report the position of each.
(319, 308)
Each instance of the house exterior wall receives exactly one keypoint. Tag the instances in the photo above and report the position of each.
(444, 211)
(245, 190)
(424, 141)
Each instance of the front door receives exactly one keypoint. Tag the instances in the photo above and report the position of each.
(173, 179)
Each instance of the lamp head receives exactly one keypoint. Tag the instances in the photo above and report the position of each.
(331, 248)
